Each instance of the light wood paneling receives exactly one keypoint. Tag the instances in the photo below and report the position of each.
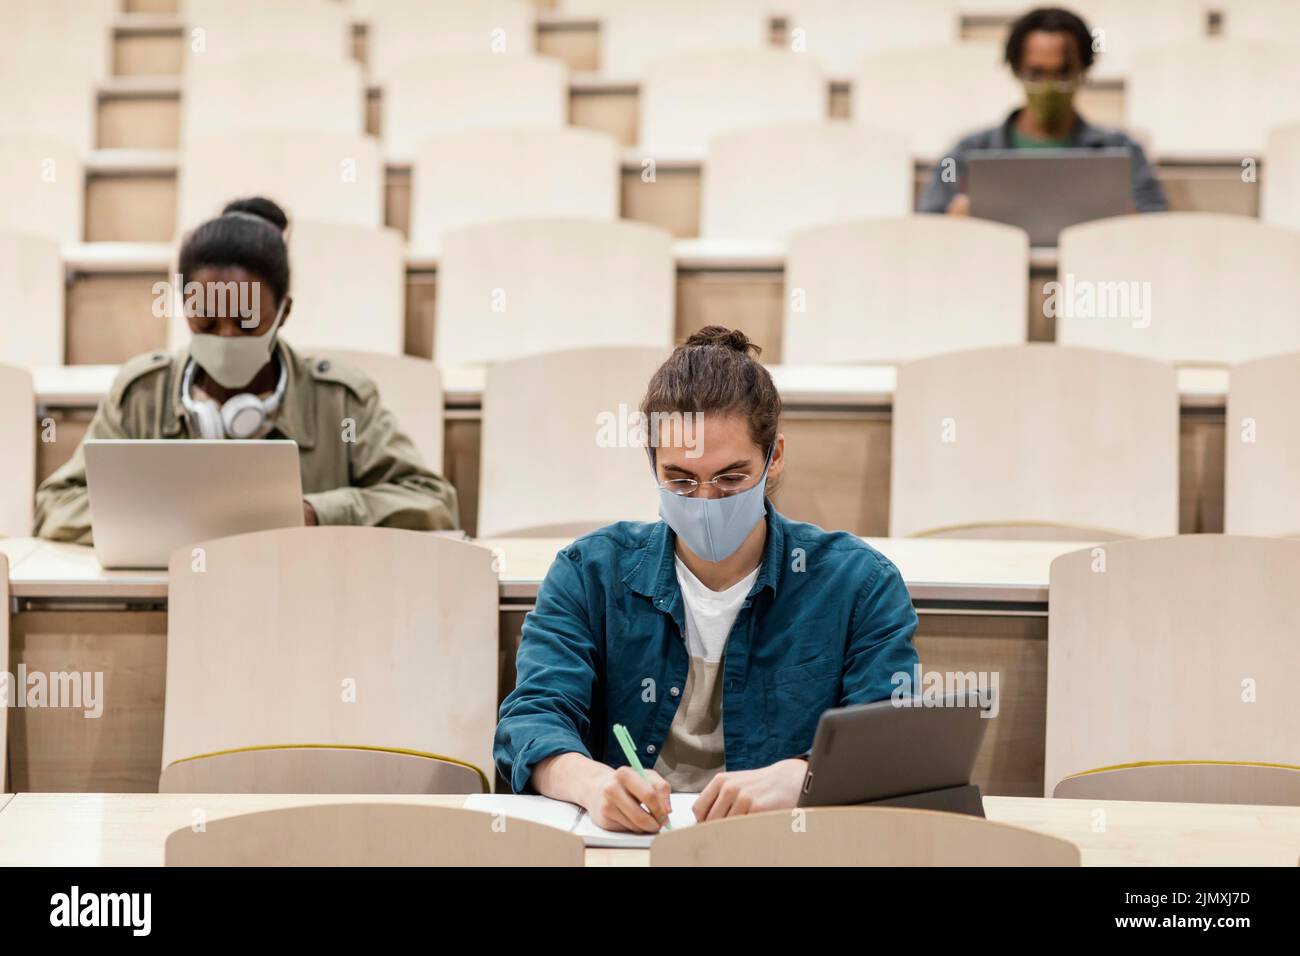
(610, 111)
(749, 300)
(839, 474)
(153, 53)
(130, 207)
(110, 319)
(61, 749)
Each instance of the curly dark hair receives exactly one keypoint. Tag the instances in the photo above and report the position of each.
(1049, 20)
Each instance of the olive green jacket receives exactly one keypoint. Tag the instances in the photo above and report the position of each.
(357, 465)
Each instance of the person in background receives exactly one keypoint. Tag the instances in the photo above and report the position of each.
(239, 379)
(1049, 50)
(717, 636)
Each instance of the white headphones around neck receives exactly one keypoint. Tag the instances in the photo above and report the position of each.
(242, 416)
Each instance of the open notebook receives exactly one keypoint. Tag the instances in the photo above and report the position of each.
(570, 817)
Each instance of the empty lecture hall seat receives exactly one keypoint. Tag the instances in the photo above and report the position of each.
(935, 95)
(404, 30)
(462, 179)
(453, 92)
(1123, 29)
(689, 98)
(635, 33)
(44, 187)
(381, 644)
(235, 29)
(371, 834)
(892, 290)
(860, 836)
(841, 32)
(767, 182)
(555, 462)
(1262, 437)
(348, 285)
(525, 286)
(1035, 441)
(1279, 200)
(78, 34)
(18, 471)
(31, 299)
(1214, 98)
(1274, 21)
(1192, 640)
(1201, 288)
(47, 95)
(283, 93)
(322, 177)
(410, 388)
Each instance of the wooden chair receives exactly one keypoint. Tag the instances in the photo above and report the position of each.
(1273, 21)
(633, 34)
(507, 289)
(18, 439)
(1279, 199)
(43, 183)
(1035, 441)
(1191, 643)
(934, 95)
(282, 92)
(468, 178)
(841, 32)
(1123, 30)
(1262, 441)
(859, 836)
(319, 770)
(235, 29)
(1253, 784)
(1185, 287)
(348, 285)
(554, 463)
(689, 98)
(804, 175)
(450, 93)
(372, 834)
(1215, 97)
(879, 292)
(410, 388)
(402, 31)
(342, 637)
(317, 177)
(31, 290)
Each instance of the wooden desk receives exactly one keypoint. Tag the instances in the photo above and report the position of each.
(982, 607)
(43, 829)
(837, 422)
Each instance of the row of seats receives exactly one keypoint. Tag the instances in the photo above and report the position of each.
(635, 32)
(1187, 288)
(1118, 615)
(1028, 441)
(1216, 98)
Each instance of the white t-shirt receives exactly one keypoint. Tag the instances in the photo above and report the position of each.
(694, 752)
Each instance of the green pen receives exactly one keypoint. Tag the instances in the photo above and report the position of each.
(629, 751)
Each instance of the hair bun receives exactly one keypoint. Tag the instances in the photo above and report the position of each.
(719, 337)
(259, 207)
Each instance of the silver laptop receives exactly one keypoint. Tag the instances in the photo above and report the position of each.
(1045, 190)
(149, 497)
(882, 753)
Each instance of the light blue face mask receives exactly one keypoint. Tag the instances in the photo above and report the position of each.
(714, 528)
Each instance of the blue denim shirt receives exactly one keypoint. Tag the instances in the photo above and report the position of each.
(827, 623)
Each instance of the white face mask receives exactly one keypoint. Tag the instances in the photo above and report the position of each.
(233, 361)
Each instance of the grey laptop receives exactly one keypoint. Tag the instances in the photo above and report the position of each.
(881, 753)
(1045, 190)
(149, 497)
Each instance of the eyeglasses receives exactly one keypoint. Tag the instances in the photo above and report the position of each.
(727, 484)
